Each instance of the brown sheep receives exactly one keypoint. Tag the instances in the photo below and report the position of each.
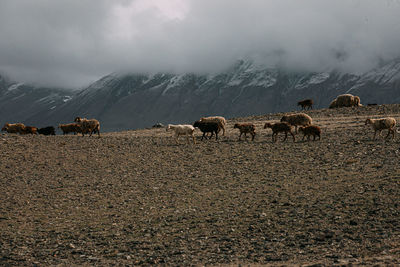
(311, 130)
(14, 128)
(30, 130)
(280, 127)
(381, 124)
(346, 100)
(218, 119)
(306, 104)
(245, 128)
(89, 126)
(70, 128)
(299, 119)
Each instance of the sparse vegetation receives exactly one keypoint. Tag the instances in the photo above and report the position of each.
(138, 198)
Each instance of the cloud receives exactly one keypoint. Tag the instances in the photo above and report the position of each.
(73, 42)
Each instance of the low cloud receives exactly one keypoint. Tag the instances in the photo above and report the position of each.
(72, 43)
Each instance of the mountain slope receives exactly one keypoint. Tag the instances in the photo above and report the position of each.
(128, 101)
(28, 104)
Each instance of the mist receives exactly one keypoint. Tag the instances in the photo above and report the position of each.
(74, 42)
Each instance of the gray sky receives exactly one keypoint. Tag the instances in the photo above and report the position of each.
(70, 43)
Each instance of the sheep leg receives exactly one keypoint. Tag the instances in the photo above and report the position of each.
(240, 136)
(273, 140)
(295, 129)
(204, 134)
(194, 139)
(285, 137)
(212, 133)
(216, 135)
(294, 138)
(304, 136)
(389, 131)
(252, 136)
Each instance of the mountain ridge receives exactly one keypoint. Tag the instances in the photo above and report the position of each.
(128, 101)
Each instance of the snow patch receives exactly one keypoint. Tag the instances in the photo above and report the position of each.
(14, 86)
(174, 82)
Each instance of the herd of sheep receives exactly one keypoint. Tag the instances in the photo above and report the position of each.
(301, 121)
(213, 125)
(80, 125)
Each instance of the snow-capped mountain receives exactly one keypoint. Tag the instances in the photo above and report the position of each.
(26, 103)
(128, 101)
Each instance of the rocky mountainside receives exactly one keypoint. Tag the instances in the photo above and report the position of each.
(29, 104)
(129, 101)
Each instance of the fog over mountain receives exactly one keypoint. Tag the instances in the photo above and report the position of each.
(72, 43)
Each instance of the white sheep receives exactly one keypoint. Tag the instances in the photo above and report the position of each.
(218, 119)
(299, 119)
(182, 129)
(381, 124)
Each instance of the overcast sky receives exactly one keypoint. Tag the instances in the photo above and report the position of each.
(70, 43)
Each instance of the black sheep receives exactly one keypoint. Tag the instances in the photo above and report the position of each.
(207, 127)
(50, 130)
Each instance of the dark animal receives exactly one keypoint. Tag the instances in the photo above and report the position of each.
(49, 130)
(245, 128)
(311, 130)
(280, 127)
(306, 104)
(208, 127)
(29, 130)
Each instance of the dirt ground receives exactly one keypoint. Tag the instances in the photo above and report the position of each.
(137, 198)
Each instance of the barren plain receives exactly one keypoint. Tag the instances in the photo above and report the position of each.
(137, 198)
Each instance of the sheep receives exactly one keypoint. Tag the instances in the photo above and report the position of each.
(70, 128)
(49, 130)
(297, 119)
(30, 130)
(182, 129)
(89, 126)
(218, 119)
(346, 100)
(245, 128)
(280, 127)
(381, 124)
(311, 130)
(14, 128)
(208, 127)
(306, 103)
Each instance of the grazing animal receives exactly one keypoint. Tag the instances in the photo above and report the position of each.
(89, 126)
(381, 124)
(299, 119)
(311, 130)
(182, 129)
(346, 100)
(70, 128)
(306, 104)
(218, 119)
(278, 128)
(208, 127)
(14, 128)
(30, 130)
(49, 130)
(246, 128)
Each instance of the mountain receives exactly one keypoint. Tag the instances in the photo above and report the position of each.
(129, 101)
(28, 104)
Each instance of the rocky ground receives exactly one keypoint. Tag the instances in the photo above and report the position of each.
(137, 198)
